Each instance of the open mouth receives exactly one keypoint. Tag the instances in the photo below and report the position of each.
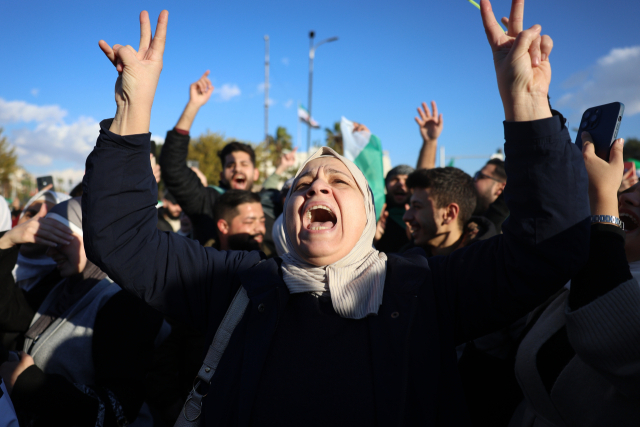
(239, 181)
(320, 217)
(631, 221)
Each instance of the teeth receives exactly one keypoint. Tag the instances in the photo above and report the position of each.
(313, 208)
(319, 228)
(625, 215)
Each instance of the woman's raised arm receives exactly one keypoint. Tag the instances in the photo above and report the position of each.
(171, 273)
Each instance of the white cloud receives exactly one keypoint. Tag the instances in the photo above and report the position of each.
(228, 91)
(20, 111)
(288, 104)
(285, 61)
(52, 139)
(614, 77)
(35, 91)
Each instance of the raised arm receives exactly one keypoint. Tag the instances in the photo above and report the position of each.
(430, 124)
(546, 238)
(182, 182)
(171, 273)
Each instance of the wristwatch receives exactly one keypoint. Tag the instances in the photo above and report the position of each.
(607, 219)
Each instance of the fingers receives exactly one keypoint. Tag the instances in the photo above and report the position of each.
(104, 46)
(125, 55)
(434, 107)
(145, 32)
(440, 120)
(615, 155)
(159, 40)
(588, 149)
(546, 45)
(516, 18)
(491, 27)
(505, 21)
(534, 51)
(523, 42)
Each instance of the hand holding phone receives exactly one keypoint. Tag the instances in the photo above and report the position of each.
(602, 123)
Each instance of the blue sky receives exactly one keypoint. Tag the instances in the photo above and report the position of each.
(391, 56)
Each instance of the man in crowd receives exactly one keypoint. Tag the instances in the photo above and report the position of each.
(490, 182)
(240, 221)
(238, 172)
(391, 233)
(169, 213)
(442, 202)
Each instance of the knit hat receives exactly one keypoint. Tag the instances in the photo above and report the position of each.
(399, 170)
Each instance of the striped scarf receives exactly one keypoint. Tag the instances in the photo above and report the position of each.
(355, 282)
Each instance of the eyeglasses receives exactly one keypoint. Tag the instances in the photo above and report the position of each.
(479, 175)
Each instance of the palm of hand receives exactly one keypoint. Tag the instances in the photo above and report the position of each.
(516, 72)
(138, 77)
(431, 128)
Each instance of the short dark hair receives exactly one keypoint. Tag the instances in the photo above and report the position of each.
(447, 185)
(234, 146)
(499, 172)
(226, 206)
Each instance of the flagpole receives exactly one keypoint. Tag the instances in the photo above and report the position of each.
(312, 54)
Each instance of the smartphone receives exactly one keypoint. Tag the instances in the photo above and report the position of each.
(43, 181)
(602, 123)
(193, 164)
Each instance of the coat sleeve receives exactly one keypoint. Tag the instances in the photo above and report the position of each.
(183, 183)
(545, 240)
(171, 273)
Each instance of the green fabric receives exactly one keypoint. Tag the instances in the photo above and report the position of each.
(273, 182)
(370, 163)
(637, 162)
(218, 189)
(396, 214)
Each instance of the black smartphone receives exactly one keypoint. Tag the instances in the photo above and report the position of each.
(43, 181)
(602, 123)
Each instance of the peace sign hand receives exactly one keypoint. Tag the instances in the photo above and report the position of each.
(521, 60)
(138, 75)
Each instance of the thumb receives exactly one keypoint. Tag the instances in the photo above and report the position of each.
(615, 155)
(524, 40)
(126, 55)
(43, 211)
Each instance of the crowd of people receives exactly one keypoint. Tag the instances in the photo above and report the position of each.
(465, 301)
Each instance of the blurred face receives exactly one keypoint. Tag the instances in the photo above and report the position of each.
(325, 212)
(238, 171)
(172, 209)
(422, 217)
(488, 185)
(246, 230)
(629, 207)
(70, 259)
(397, 189)
(33, 209)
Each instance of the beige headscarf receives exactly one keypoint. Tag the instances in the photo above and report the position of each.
(356, 282)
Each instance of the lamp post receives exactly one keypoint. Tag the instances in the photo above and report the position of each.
(312, 54)
(266, 88)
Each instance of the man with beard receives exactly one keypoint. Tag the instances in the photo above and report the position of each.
(240, 221)
(238, 173)
(391, 233)
(169, 213)
(490, 182)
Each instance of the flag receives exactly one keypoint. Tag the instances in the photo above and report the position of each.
(365, 150)
(303, 115)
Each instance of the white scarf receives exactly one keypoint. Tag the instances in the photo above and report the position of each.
(5, 216)
(355, 282)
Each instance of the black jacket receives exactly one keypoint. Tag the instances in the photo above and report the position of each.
(429, 306)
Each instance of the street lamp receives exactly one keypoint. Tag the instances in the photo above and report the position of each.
(312, 54)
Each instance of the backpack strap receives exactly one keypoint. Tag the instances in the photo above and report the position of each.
(192, 409)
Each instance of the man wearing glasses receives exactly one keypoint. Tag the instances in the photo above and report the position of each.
(490, 182)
